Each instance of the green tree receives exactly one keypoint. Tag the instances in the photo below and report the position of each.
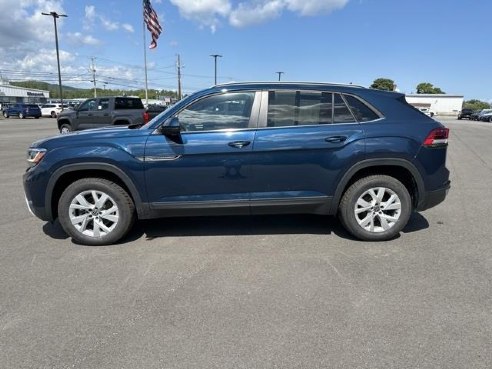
(476, 104)
(428, 88)
(384, 84)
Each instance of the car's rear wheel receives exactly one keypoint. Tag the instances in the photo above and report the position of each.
(96, 211)
(65, 128)
(53, 114)
(21, 116)
(375, 208)
(5, 114)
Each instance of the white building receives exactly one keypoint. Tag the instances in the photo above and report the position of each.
(439, 104)
(13, 94)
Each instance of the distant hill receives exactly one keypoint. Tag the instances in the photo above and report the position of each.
(70, 92)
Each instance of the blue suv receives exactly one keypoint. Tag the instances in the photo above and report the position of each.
(22, 111)
(247, 148)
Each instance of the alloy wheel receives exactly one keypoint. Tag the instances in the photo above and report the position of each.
(378, 209)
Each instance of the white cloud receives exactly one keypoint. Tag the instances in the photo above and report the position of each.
(127, 27)
(210, 12)
(79, 38)
(205, 12)
(247, 14)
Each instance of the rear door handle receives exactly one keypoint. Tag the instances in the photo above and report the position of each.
(239, 144)
(335, 139)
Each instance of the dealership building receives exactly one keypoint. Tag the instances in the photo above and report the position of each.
(13, 94)
(439, 104)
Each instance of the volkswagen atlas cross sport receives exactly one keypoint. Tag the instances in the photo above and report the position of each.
(247, 148)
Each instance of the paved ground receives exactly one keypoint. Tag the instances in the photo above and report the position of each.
(251, 292)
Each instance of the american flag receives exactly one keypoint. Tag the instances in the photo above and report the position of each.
(152, 22)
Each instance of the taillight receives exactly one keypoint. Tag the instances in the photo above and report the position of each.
(146, 117)
(437, 137)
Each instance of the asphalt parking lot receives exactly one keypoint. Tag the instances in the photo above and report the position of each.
(251, 292)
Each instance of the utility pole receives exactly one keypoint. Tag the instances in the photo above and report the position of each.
(55, 15)
(93, 69)
(279, 74)
(215, 56)
(178, 66)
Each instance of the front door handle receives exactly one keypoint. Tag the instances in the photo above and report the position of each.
(336, 139)
(239, 144)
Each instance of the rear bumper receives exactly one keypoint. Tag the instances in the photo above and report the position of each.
(433, 198)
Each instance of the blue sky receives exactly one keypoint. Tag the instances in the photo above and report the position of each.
(442, 42)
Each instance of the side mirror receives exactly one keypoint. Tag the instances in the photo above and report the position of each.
(172, 129)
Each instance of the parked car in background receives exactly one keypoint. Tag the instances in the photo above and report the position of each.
(102, 111)
(365, 155)
(154, 110)
(22, 111)
(465, 114)
(486, 117)
(427, 111)
(52, 110)
(482, 113)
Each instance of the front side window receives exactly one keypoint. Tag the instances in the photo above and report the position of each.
(88, 105)
(225, 111)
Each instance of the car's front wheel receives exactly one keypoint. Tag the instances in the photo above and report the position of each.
(65, 128)
(96, 211)
(375, 208)
(21, 116)
(5, 114)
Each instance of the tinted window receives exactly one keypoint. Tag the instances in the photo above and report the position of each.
(32, 106)
(289, 108)
(225, 111)
(362, 112)
(103, 104)
(127, 103)
(341, 113)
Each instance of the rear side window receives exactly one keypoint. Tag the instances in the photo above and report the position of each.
(361, 111)
(32, 106)
(127, 103)
(293, 108)
(341, 113)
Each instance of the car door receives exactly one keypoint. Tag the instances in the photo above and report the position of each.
(100, 116)
(304, 141)
(85, 114)
(206, 168)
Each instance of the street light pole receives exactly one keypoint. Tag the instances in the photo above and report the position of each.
(55, 15)
(279, 74)
(215, 56)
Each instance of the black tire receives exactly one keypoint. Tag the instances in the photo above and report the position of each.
(65, 128)
(358, 204)
(90, 223)
(5, 114)
(21, 116)
(53, 114)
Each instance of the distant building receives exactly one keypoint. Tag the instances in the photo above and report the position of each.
(13, 94)
(439, 104)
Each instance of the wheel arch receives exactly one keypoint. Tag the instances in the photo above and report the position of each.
(63, 121)
(66, 175)
(400, 169)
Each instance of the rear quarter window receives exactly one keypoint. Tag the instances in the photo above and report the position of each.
(361, 111)
(127, 103)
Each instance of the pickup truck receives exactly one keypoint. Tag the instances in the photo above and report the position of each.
(102, 111)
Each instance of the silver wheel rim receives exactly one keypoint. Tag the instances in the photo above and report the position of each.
(65, 130)
(378, 209)
(94, 213)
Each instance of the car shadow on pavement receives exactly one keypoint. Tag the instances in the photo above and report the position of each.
(236, 226)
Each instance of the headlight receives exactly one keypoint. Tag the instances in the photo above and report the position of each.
(34, 156)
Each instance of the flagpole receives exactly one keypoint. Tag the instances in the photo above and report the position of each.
(145, 57)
